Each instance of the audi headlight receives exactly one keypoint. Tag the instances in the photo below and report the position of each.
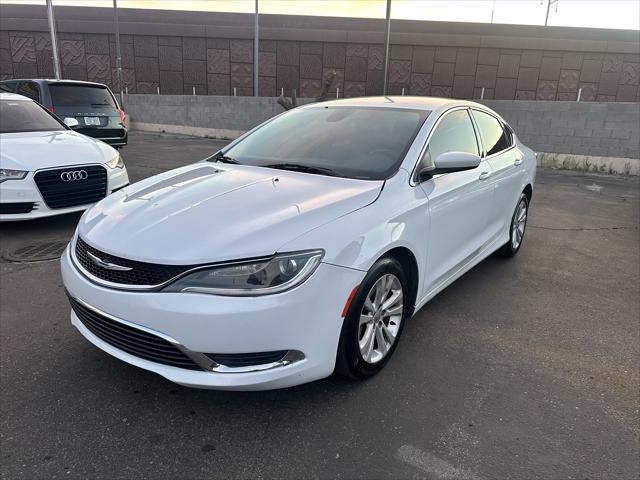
(115, 162)
(6, 174)
(261, 277)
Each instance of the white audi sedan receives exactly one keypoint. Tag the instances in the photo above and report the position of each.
(303, 247)
(48, 169)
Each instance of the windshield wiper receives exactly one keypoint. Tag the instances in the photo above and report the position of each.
(296, 167)
(221, 157)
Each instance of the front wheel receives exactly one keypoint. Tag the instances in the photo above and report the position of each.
(374, 321)
(517, 228)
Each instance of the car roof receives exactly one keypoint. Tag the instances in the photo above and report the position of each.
(14, 96)
(416, 103)
(53, 81)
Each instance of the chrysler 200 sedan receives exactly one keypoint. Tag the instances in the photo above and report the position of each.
(303, 247)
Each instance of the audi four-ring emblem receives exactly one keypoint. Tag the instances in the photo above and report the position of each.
(74, 175)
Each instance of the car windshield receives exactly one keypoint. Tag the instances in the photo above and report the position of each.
(80, 95)
(25, 116)
(346, 141)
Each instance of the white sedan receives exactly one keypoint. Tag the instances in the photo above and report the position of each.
(48, 169)
(303, 247)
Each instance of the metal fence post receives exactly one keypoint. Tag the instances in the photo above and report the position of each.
(386, 48)
(54, 40)
(118, 55)
(255, 53)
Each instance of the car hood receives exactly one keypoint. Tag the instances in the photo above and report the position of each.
(35, 150)
(212, 212)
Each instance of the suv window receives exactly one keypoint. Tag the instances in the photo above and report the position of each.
(29, 90)
(495, 138)
(454, 133)
(80, 95)
(8, 87)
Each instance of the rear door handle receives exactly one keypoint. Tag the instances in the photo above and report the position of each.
(484, 175)
(518, 161)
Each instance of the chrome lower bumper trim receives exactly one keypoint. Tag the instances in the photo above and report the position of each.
(202, 360)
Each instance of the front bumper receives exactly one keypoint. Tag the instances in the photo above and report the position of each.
(25, 191)
(306, 319)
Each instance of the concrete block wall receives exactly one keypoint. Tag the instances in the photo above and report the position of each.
(216, 116)
(578, 128)
(589, 128)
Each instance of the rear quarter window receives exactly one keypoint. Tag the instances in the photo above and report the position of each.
(29, 90)
(495, 138)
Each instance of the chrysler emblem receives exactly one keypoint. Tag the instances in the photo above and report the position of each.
(74, 175)
(109, 266)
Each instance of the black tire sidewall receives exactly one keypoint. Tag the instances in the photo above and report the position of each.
(350, 361)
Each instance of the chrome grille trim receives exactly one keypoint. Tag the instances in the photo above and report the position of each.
(148, 288)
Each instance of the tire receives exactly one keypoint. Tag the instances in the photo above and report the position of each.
(351, 361)
(516, 232)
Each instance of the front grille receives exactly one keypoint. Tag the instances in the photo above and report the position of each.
(132, 340)
(141, 273)
(63, 194)
(102, 132)
(246, 359)
(15, 208)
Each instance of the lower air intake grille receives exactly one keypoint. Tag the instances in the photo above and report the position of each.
(132, 340)
(15, 208)
(72, 186)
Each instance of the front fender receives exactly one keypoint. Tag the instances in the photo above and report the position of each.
(398, 218)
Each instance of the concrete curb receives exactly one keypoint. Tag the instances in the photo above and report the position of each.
(221, 133)
(589, 163)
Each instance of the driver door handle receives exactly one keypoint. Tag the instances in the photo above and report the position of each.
(484, 175)
(518, 161)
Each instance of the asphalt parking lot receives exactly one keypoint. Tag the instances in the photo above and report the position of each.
(527, 368)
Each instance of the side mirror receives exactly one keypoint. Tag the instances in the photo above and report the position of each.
(450, 162)
(71, 122)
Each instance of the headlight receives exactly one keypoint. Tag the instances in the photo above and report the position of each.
(6, 174)
(115, 162)
(262, 277)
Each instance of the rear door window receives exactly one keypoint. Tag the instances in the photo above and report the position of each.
(495, 138)
(81, 95)
(29, 90)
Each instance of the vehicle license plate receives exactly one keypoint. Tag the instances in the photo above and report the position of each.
(92, 121)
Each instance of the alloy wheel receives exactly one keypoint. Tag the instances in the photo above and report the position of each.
(380, 318)
(518, 224)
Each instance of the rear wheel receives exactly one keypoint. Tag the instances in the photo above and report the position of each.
(374, 321)
(517, 228)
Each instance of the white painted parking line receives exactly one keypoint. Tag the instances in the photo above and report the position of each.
(436, 467)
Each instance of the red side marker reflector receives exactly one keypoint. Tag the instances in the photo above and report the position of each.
(349, 300)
